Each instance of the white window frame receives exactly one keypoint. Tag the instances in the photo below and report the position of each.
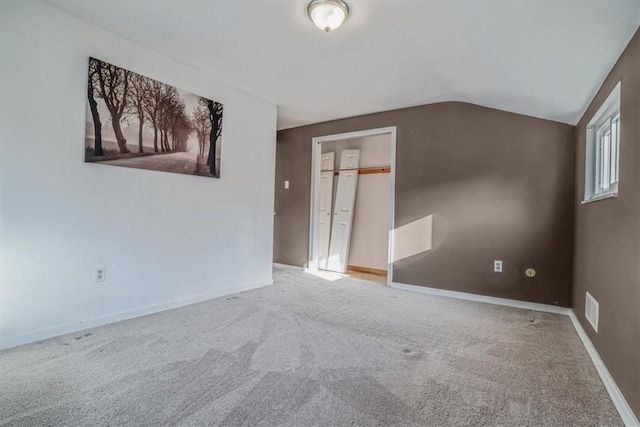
(602, 168)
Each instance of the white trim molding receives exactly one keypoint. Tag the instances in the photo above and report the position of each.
(600, 197)
(288, 267)
(481, 298)
(55, 331)
(628, 417)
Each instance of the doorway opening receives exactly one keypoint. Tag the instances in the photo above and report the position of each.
(352, 204)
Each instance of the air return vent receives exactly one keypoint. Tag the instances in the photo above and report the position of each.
(592, 311)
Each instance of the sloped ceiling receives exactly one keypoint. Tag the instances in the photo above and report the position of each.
(540, 58)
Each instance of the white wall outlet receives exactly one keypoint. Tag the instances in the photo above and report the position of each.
(497, 266)
(100, 274)
(286, 185)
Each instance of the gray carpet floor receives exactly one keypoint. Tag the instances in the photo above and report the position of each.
(306, 351)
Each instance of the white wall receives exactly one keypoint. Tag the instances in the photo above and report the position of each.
(370, 232)
(165, 239)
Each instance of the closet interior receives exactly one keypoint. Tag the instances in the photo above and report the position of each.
(354, 208)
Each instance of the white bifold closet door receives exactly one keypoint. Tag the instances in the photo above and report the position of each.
(343, 211)
(324, 215)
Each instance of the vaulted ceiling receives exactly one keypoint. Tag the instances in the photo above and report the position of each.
(536, 57)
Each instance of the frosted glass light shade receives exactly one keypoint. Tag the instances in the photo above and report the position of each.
(328, 14)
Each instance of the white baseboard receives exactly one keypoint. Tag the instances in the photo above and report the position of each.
(288, 267)
(627, 415)
(481, 298)
(41, 334)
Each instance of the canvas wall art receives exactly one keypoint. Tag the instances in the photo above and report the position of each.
(138, 122)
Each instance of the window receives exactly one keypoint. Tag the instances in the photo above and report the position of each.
(602, 170)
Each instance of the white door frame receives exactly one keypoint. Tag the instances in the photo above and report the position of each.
(316, 154)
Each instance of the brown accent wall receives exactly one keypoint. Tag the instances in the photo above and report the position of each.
(498, 185)
(607, 236)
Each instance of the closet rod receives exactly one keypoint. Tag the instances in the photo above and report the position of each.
(365, 171)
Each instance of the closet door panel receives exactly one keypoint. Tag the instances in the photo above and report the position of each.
(343, 211)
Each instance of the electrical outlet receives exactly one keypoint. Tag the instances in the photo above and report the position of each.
(100, 274)
(497, 266)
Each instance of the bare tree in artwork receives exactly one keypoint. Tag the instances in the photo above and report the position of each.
(215, 115)
(152, 106)
(170, 107)
(202, 125)
(180, 128)
(180, 131)
(94, 69)
(113, 89)
(139, 86)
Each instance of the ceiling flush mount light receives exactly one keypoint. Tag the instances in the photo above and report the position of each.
(328, 14)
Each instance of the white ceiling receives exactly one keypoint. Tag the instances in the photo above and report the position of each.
(537, 57)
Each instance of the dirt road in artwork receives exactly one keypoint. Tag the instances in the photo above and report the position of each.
(171, 162)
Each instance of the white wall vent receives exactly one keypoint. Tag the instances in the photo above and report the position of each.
(592, 311)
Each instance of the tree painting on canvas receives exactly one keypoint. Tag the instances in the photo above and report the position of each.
(138, 122)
